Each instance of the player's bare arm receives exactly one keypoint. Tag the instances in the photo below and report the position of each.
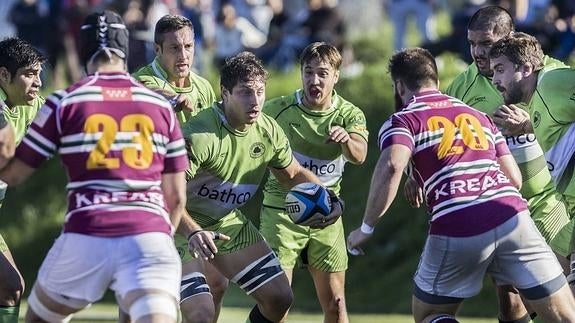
(511, 170)
(179, 102)
(353, 145)
(384, 185)
(7, 142)
(174, 188)
(295, 174)
(512, 120)
(15, 172)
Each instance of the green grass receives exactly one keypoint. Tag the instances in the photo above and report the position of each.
(108, 313)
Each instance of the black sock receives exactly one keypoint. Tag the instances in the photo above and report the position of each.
(524, 319)
(257, 317)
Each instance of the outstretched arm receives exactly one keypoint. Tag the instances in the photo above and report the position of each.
(384, 185)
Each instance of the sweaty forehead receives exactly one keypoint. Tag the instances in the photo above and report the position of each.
(180, 36)
(316, 63)
(30, 68)
(481, 36)
(253, 84)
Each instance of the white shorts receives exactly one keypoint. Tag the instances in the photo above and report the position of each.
(82, 267)
(515, 253)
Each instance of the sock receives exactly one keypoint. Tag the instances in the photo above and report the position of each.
(9, 314)
(524, 319)
(257, 317)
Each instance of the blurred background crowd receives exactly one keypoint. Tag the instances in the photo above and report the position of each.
(276, 30)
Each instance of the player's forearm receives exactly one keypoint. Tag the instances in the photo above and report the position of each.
(174, 189)
(294, 174)
(383, 189)
(355, 149)
(187, 225)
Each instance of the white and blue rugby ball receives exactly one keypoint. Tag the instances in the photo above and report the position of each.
(306, 199)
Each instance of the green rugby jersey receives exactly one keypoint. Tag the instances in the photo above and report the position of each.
(552, 110)
(21, 116)
(307, 132)
(200, 90)
(477, 91)
(227, 165)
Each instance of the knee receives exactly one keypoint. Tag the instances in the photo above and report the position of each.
(218, 287)
(336, 306)
(194, 311)
(278, 303)
(11, 292)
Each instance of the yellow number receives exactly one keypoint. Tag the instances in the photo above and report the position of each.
(472, 134)
(144, 126)
(107, 126)
(139, 155)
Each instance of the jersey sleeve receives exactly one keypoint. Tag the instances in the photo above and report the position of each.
(395, 131)
(42, 138)
(499, 141)
(283, 155)
(355, 123)
(176, 156)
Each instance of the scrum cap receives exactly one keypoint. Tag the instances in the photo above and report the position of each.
(103, 31)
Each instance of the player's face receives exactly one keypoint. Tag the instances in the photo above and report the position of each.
(507, 78)
(24, 86)
(480, 43)
(243, 105)
(176, 54)
(318, 79)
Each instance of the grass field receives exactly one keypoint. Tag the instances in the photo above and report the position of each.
(108, 313)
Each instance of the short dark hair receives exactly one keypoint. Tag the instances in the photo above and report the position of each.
(492, 18)
(519, 48)
(416, 67)
(242, 67)
(168, 24)
(322, 51)
(16, 53)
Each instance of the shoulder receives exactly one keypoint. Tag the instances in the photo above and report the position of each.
(275, 106)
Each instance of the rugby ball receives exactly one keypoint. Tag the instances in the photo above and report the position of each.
(306, 199)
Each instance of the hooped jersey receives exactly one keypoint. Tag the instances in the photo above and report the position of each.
(115, 138)
(307, 131)
(227, 165)
(454, 158)
(552, 110)
(199, 91)
(477, 91)
(20, 116)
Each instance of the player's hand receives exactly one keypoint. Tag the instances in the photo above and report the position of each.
(354, 240)
(182, 102)
(338, 135)
(511, 119)
(320, 221)
(413, 192)
(201, 243)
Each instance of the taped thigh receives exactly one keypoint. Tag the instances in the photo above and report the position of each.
(193, 284)
(258, 273)
(44, 312)
(157, 303)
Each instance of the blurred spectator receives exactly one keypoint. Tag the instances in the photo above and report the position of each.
(257, 12)
(6, 27)
(29, 17)
(234, 34)
(400, 10)
(565, 25)
(325, 23)
(135, 20)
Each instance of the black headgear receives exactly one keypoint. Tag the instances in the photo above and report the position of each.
(103, 31)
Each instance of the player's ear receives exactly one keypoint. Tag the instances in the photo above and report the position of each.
(157, 49)
(527, 69)
(5, 74)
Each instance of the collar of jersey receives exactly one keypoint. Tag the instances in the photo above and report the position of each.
(161, 73)
(224, 121)
(334, 103)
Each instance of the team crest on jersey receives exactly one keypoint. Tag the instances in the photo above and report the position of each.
(536, 119)
(257, 150)
(117, 94)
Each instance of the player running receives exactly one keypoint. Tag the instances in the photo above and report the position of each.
(125, 158)
(20, 68)
(479, 223)
(230, 147)
(325, 131)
